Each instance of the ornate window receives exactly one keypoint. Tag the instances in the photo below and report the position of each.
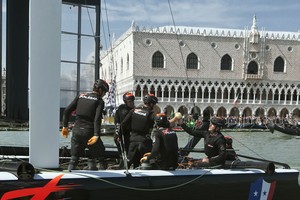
(192, 61)
(279, 65)
(226, 62)
(158, 60)
(252, 68)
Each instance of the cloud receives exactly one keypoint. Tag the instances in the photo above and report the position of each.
(231, 14)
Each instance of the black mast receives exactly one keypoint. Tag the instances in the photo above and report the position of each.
(97, 41)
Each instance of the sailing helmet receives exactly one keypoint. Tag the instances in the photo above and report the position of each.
(161, 120)
(101, 84)
(228, 140)
(206, 114)
(217, 121)
(128, 96)
(150, 98)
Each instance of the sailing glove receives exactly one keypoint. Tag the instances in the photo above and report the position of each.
(65, 132)
(92, 140)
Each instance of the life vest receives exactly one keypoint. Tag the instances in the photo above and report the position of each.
(170, 140)
(141, 121)
(211, 149)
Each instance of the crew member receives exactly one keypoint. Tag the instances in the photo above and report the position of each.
(231, 154)
(122, 136)
(164, 153)
(141, 120)
(86, 131)
(214, 142)
(194, 141)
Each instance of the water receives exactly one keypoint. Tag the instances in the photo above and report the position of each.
(277, 147)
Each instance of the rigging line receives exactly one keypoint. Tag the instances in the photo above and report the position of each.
(135, 188)
(110, 41)
(177, 36)
(88, 12)
(257, 154)
(104, 34)
(107, 22)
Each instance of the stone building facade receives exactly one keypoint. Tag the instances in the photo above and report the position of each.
(231, 72)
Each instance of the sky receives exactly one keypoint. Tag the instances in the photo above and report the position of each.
(117, 16)
(272, 15)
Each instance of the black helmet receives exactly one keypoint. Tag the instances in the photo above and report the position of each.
(161, 120)
(228, 140)
(206, 114)
(128, 96)
(150, 98)
(101, 84)
(217, 121)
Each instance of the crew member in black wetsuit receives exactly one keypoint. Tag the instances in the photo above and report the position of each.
(122, 135)
(231, 154)
(214, 142)
(194, 141)
(164, 153)
(86, 131)
(141, 120)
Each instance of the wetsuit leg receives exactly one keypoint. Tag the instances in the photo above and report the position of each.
(92, 164)
(132, 154)
(97, 151)
(73, 163)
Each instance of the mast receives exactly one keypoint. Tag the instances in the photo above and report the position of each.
(97, 41)
(44, 82)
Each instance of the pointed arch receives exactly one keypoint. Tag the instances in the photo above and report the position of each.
(193, 93)
(279, 64)
(159, 91)
(206, 92)
(226, 62)
(138, 91)
(158, 60)
(166, 91)
(212, 93)
(272, 112)
(145, 90)
(186, 92)
(192, 61)
(221, 112)
(252, 68)
(225, 93)
(179, 92)
(173, 92)
(284, 113)
(199, 96)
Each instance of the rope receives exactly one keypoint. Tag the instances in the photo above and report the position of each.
(135, 188)
(257, 154)
(132, 188)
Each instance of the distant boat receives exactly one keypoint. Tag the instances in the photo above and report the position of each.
(289, 129)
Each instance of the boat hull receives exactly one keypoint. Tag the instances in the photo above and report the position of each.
(156, 184)
(287, 130)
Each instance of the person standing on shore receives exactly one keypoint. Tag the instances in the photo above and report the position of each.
(86, 131)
